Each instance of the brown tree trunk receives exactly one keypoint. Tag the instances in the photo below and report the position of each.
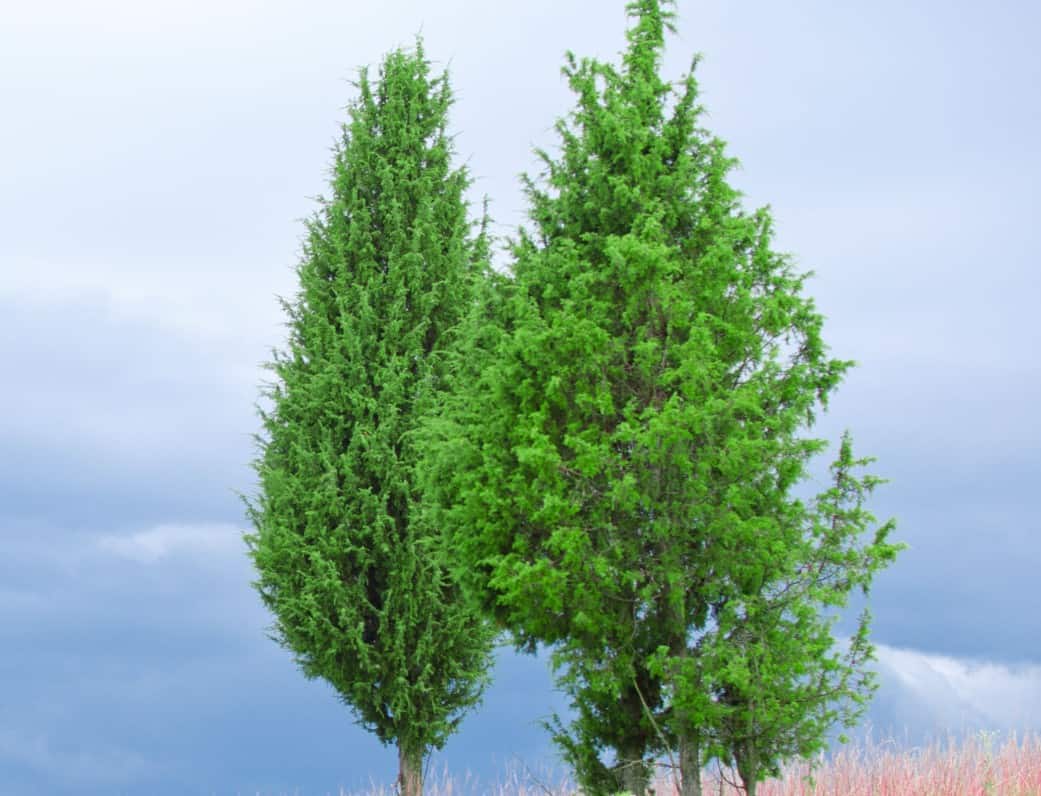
(410, 771)
(690, 766)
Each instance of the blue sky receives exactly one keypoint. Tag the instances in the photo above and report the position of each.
(157, 160)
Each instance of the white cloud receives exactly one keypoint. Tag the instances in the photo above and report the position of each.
(958, 692)
(163, 541)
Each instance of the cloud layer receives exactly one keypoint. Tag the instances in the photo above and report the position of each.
(925, 695)
(155, 544)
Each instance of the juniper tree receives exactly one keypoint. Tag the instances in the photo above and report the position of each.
(617, 479)
(767, 681)
(355, 576)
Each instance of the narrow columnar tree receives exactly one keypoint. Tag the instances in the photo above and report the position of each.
(355, 576)
(617, 479)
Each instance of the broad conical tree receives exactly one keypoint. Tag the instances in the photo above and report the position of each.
(355, 576)
(618, 478)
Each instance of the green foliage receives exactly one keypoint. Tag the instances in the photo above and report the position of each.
(355, 576)
(767, 679)
(616, 471)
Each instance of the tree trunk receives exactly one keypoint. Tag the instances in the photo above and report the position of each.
(690, 766)
(748, 768)
(633, 774)
(410, 771)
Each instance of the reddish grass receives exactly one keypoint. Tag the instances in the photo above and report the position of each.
(978, 766)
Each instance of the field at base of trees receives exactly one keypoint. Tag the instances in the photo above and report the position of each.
(980, 765)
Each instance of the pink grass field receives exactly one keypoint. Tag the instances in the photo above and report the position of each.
(978, 766)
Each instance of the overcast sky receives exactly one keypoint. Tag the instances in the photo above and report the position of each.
(156, 160)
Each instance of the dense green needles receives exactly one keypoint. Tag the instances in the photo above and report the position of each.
(348, 567)
(617, 480)
(597, 452)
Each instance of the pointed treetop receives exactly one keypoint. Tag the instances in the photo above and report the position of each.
(647, 37)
